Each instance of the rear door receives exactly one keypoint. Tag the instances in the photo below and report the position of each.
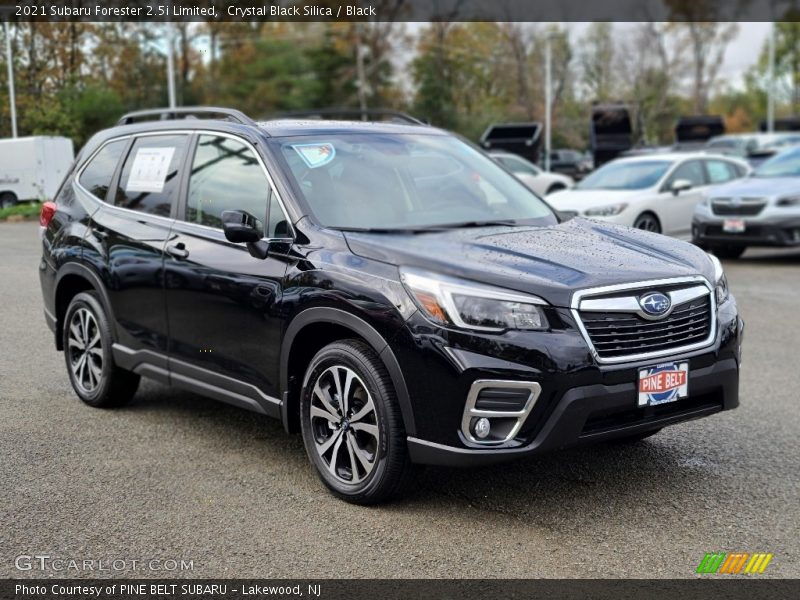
(128, 234)
(222, 303)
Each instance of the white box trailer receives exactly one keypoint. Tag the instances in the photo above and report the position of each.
(32, 168)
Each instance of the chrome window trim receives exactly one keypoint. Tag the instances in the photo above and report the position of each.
(644, 286)
(183, 132)
(470, 412)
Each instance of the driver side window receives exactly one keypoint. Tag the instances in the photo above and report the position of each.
(691, 170)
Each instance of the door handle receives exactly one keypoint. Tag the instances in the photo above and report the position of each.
(178, 251)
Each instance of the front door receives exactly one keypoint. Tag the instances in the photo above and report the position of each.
(222, 303)
(679, 208)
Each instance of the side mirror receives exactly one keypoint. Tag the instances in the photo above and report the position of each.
(240, 227)
(680, 185)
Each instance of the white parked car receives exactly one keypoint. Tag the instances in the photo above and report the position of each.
(655, 192)
(541, 182)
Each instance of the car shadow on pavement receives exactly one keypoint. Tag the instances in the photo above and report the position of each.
(589, 482)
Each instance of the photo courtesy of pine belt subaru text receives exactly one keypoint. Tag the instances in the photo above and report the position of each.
(386, 290)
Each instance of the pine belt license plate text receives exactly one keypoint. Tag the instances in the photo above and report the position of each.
(663, 383)
(733, 226)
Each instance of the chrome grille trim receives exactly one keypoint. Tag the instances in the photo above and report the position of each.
(582, 300)
(738, 207)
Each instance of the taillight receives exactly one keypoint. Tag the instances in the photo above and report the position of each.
(47, 214)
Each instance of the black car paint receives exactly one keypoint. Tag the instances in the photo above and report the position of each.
(244, 333)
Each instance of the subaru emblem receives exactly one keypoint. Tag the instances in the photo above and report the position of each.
(655, 304)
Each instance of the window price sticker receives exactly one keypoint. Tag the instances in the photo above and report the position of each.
(150, 169)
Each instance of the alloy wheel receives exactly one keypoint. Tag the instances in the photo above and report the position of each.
(85, 350)
(648, 223)
(344, 424)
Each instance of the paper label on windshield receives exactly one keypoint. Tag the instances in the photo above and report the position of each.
(150, 169)
(315, 155)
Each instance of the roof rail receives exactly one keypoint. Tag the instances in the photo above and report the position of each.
(356, 114)
(165, 114)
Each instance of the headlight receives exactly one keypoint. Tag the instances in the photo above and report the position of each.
(453, 302)
(606, 211)
(789, 201)
(721, 291)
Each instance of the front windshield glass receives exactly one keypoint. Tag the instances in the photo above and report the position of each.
(786, 164)
(404, 181)
(628, 175)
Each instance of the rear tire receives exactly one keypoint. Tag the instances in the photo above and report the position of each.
(7, 200)
(352, 427)
(648, 222)
(731, 252)
(97, 380)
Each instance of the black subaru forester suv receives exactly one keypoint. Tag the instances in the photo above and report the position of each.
(385, 289)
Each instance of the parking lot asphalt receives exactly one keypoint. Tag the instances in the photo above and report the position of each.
(175, 476)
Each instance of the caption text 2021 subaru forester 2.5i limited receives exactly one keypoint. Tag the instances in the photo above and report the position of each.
(387, 290)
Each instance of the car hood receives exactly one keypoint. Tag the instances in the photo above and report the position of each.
(580, 200)
(551, 261)
(757, 187)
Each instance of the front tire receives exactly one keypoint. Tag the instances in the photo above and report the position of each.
(97, 380)
(647, 221)
(352, 427)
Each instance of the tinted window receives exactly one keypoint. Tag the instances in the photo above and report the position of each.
(150, 181)
(691, 171)
(226, 175)
(403, 181)
(720, 171)
(96, 177)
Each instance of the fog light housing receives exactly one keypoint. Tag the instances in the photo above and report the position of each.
(482, 428)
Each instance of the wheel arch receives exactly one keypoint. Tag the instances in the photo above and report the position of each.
(72, 279)
(309, 332)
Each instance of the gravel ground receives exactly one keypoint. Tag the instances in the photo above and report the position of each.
(176, 476)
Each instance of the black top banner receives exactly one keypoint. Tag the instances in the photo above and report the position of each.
(401, 10)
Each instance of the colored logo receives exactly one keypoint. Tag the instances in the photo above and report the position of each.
(734, 562)
(663, 383)
(655, 304)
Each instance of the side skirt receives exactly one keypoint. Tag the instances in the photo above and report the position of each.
(196, 379)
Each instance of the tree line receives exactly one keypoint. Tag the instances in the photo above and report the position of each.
(73, 79)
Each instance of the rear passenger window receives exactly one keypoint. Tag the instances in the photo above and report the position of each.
(149, 181)
(720, 171)
(226, 175)
(97, 175)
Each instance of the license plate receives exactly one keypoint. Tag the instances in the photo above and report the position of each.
(733, 226)
(663, 383)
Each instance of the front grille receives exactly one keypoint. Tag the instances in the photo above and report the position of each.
(617, 334)
(739, 207)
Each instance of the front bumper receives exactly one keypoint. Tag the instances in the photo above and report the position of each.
(596, 413)
(580, 402)
(758, 232)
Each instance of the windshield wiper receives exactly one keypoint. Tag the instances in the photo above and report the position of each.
(381, 229)
(469, 224)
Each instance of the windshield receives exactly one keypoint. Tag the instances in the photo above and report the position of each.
(627, 175)
(786, 164)
(405, 181)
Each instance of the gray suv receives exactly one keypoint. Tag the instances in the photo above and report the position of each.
(760, 210)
